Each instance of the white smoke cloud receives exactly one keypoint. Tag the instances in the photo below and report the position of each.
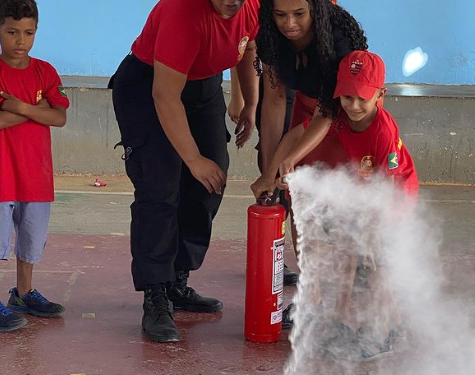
(337, 215)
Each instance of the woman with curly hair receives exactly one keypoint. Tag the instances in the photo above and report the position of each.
(300, 44)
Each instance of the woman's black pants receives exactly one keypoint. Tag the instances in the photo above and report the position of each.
(172, 212)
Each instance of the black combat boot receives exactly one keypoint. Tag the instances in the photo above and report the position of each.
(185, 298)
(157, 321)
(290, 277)
(287, 321)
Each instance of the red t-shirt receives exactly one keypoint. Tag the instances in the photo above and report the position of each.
(379, 148)
(26, 167)
(190, 37)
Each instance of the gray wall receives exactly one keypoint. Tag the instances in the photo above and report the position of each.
(440, 134)
(438, 129)
(86, 143)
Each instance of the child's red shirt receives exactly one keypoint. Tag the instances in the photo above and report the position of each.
(378, 149)
(26, 168)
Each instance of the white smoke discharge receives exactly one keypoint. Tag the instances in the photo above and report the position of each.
(339, 221)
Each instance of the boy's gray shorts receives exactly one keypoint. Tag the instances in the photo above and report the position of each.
(30, 221)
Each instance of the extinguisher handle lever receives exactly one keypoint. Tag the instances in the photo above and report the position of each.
(269, 200)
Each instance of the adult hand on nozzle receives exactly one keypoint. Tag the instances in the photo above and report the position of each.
(263, 184)
(245, 125)
(209, 174)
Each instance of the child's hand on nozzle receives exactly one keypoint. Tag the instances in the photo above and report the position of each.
(263, 185)
(286, 167)
(282, 183)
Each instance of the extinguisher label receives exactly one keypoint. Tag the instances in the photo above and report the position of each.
(276, 317)
(278, 272)
(280, 301)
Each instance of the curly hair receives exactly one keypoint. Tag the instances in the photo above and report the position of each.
(326, 16)
(18, 9)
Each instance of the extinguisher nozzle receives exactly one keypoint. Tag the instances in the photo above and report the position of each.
(267, 199)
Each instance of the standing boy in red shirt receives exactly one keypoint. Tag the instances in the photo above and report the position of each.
(32, 100)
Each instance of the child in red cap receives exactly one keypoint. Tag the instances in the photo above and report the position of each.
(368, 133)
(370, 137)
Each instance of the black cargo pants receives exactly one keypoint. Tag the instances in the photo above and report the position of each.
(172, 212)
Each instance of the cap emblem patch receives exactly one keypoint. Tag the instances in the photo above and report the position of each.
(355, 67)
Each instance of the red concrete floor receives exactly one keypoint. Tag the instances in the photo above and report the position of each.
(100, 332)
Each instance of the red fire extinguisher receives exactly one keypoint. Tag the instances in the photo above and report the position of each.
(265, 270)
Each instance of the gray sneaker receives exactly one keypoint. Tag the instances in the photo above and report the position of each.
(371, 350)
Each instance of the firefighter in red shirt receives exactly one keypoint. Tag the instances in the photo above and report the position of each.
(170, 109)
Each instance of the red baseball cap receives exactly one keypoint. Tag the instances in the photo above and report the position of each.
(360, 73)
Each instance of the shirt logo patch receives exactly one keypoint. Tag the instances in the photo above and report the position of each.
(242, 47)
(393, 161)
(366, 167)
(62, 91)
(39, 95)
(356, 67)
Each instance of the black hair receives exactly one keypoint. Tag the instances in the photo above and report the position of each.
(326, 16)
(18, 9)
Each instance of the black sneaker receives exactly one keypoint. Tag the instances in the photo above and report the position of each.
(287, 322)
(186, 298)
(33, 303)
(10, 321)
(290, 277)
(157, 321)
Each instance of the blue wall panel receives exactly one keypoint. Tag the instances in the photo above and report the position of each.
(444, 29)
(90, 37)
